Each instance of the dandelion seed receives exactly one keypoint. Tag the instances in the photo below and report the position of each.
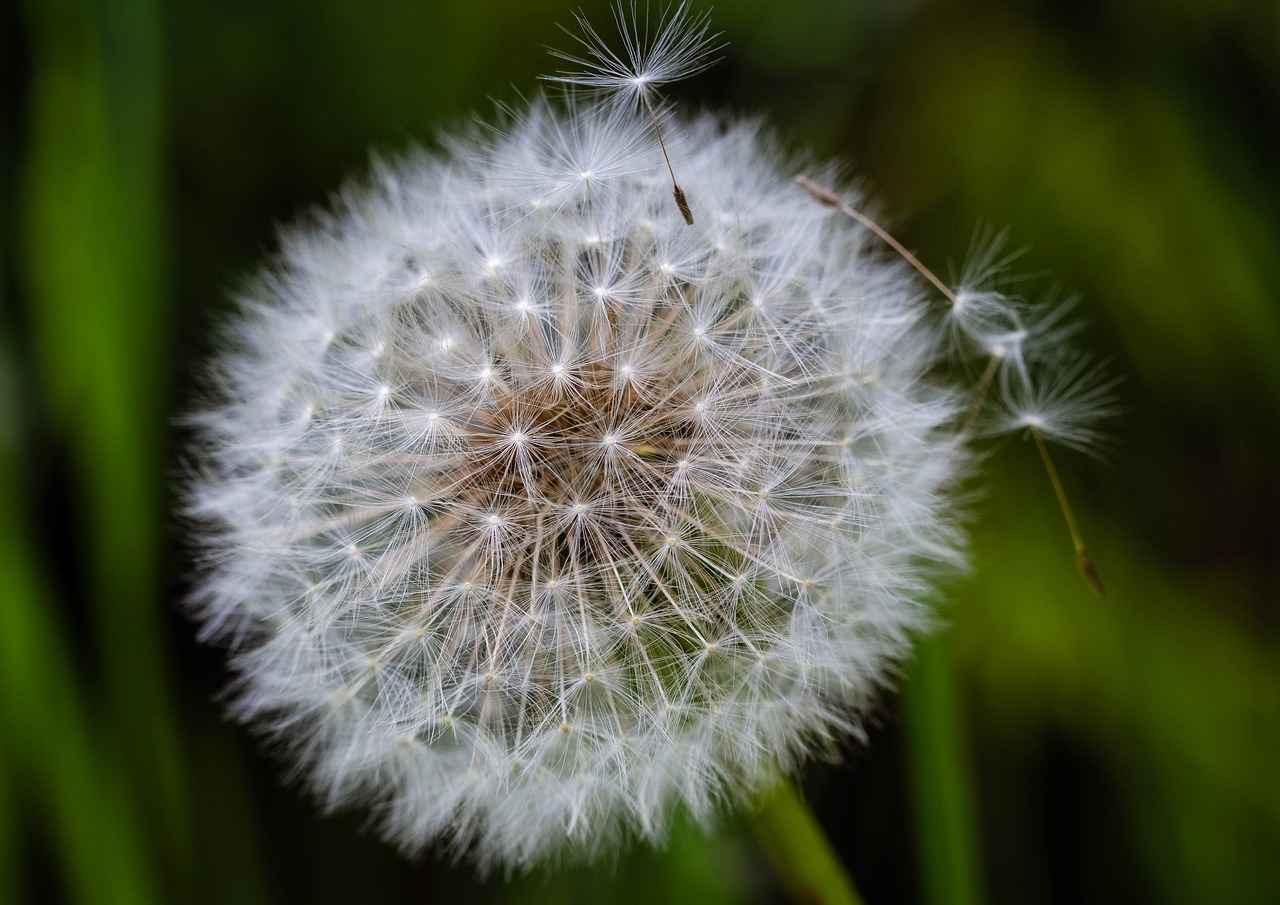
(1062, 401)
(1064, 406)
(679, 48)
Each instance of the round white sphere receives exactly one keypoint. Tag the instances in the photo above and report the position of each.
(532, 513)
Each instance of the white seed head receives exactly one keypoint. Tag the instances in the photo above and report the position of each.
(671, 540)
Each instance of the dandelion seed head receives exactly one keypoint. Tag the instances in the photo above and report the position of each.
(481, 577)
(645, 510)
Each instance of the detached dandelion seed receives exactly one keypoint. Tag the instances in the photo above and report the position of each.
(1063, 403)
(679, 47)
(531, 515)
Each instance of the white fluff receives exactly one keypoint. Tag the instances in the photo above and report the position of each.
(535, 511)
(532, 513)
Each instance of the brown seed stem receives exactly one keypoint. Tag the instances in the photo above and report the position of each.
(682, 201)
(829, 198)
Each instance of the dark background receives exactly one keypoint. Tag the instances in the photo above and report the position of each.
(1051, 747)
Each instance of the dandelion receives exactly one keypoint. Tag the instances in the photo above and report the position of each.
(532, 515)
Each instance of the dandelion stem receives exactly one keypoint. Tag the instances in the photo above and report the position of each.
(799, 850)
(1083, 560)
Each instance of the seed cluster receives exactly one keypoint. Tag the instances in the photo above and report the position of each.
(534, 512)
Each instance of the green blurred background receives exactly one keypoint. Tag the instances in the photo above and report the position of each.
(1051, 747)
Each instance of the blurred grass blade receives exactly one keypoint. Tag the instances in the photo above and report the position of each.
(103, 850)
(946, 825)
(10, 878)
(93, 277)
(50, 750)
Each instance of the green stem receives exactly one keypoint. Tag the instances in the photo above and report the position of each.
(941, 786)
(800, 852)
(1083, 561)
